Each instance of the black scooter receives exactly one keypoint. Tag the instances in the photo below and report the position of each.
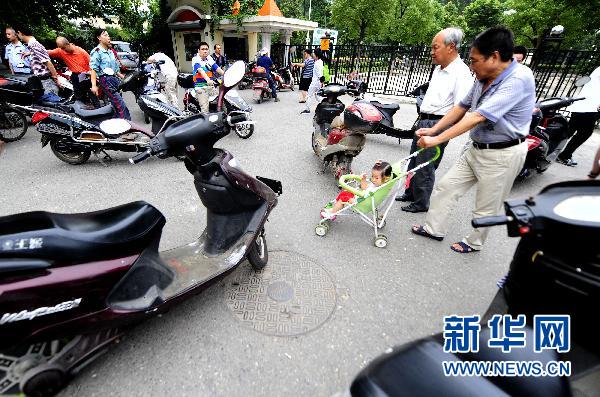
(554, 271)
(69, 283)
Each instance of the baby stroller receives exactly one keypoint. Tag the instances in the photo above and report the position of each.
(373, 206)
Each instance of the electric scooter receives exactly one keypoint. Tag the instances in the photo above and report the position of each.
(70, 283)
(554, 271)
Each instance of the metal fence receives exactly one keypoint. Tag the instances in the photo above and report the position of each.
(397, 70)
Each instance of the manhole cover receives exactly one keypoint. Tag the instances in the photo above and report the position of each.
(291, 296)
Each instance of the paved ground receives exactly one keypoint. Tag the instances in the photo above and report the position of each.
(383, 297)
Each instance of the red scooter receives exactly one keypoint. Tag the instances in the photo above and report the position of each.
(69, 283)
(260, 84)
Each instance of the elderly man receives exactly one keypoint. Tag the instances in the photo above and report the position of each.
(169, 70)
(77, 60)
(450, 83)
(15, 53)
(500, 104)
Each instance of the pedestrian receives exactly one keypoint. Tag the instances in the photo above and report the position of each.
(77, 61)
(265, 61)
(520, 53)
(584, 115)
(220, 59)
(15, 53)
(306, 77)
(499, 105)
(105, 72)
(39, 60)
(169, 70)
(204, 68)
(450, 82)
(316, 82)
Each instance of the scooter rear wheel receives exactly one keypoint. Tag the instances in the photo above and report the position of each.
(72, 157)
(258, 255)
(13, 125)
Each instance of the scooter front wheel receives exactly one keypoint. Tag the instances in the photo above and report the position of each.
(258, 255)
(244, 131)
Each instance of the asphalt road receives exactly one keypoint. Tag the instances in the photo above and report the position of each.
(384, 297)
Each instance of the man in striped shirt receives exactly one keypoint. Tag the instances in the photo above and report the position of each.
(40, 62)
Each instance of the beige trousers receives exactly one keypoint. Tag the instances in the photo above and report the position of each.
(493, 170)
(171, 90)
(203, 96)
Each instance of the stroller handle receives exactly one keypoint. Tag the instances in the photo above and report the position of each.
(344, 179)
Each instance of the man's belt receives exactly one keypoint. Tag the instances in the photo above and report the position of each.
(427, 116)
(498, 145)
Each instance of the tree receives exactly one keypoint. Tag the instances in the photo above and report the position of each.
(451, 17)
(482, 14)
(412, 21)
(530, 20)
(358, 20)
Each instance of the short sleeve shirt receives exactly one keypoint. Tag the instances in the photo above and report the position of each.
(78, 61)
(101, 59)
(507, 104)
(208, 65)
(307, 71)
(38, 58)
(317, 70)
(14, 54)
(447, 87)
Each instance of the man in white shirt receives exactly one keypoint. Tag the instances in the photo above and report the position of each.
(450, 83)
(584, 115)
(317, 80)
(169, 70)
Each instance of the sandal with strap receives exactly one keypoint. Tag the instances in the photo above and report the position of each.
(420, 230)
(464, 248)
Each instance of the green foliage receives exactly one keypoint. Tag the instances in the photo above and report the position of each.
(360, 20)
(531, 20)
(412, 21)
(482, 14)
(452, 17)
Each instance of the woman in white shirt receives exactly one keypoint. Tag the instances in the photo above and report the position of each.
(584, 115)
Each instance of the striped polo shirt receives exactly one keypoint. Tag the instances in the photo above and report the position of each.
(38, 58)
(307, 70)
(507, 105)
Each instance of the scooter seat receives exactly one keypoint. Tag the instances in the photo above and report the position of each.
(416, 369)
(386, 106)
(83, 110)
(65, 239)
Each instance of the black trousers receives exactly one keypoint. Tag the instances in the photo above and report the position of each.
(581, 127)
(421, 184)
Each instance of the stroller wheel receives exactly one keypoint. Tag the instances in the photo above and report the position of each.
(321, 229)
(380, 241)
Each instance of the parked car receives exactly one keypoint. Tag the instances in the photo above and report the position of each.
(129, 59)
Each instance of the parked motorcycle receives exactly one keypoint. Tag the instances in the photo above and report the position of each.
(70, 283)
(554, 271)
(283, 78)
(548, 135)
(146, 80)
(247, 79)
(339, 132)
(234, 104)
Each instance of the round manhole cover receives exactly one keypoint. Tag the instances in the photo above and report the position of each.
(291, 296)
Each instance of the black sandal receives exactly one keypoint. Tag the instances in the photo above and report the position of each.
(465, 248)
(420, 230)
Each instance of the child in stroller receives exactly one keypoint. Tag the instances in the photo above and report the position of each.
(380, 173)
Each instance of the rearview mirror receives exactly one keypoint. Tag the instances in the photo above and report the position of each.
(582, 81)
(234, 74)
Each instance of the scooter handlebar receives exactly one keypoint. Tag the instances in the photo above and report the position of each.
(140, 157)
(487, 221)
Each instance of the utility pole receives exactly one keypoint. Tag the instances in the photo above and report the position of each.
(309, 12)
